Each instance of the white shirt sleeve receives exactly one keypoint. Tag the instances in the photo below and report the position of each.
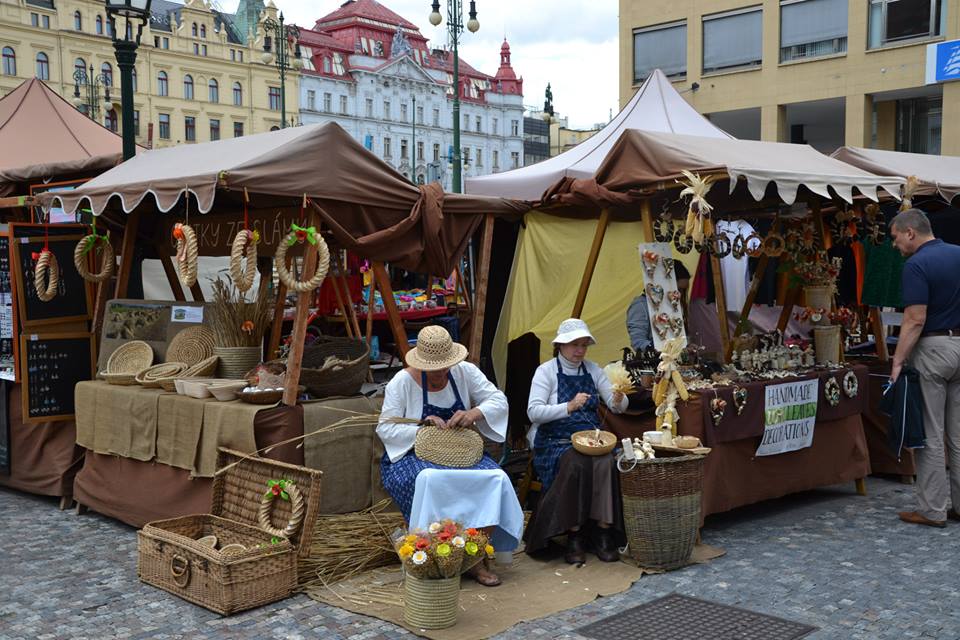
(541, 406)
(398, 438)
(605, 389)
(481, 394)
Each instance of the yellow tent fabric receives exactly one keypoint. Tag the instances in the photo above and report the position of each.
(547, 267)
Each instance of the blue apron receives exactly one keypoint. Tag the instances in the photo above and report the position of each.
(400, 478)
(553, 438)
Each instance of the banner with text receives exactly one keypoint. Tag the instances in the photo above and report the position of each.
(789, 417)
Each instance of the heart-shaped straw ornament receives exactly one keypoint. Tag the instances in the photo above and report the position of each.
(650, 260)
(661, 325)
(655, 293)
(674, 297)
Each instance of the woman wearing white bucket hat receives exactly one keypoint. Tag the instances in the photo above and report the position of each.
(440, 389)
(578, 490)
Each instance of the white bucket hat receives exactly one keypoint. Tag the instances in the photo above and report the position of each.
(573, 329)
(435, 350)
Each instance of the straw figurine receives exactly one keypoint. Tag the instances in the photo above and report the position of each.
(669, 386)
(909, 189)
(699, 223)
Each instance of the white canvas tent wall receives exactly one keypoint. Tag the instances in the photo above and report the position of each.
(937, 174)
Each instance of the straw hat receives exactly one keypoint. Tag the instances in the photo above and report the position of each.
(573, 329)
(435, 350)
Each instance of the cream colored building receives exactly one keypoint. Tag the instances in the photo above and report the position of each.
(824, 72)
(199, 73)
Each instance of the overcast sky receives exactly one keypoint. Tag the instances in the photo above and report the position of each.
(571, 44)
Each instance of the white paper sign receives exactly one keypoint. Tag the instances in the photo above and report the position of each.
(790, 413)
(186, 314)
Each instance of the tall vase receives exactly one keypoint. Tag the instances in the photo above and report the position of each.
(430, 604)
(826, 341)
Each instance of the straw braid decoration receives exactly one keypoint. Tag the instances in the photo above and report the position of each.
(699, 224)
(244, 246)
(46, 276)
(87, 245)
(187, 253)
(283, 490)
(909, 189)
(300, 234)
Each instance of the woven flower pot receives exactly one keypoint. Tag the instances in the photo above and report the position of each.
(826, 342)
(430, 604)
(820, 297)
(236, 361)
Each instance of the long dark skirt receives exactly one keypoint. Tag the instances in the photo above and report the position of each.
(585, 489)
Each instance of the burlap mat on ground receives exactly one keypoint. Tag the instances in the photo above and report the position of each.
(531, 589)
(117, 420)
(225, 424)
(179, 426)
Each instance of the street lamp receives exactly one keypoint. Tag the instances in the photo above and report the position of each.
(547, 117)
(454, 29)
(90, 103)
(283, 34)
(125, 42)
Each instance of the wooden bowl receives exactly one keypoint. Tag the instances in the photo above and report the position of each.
(584, 442)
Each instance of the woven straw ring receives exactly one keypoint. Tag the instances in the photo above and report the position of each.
(243, 247)
(187, 253)
(296, 517)
(46, 276)
(292, 284)
(80, 258)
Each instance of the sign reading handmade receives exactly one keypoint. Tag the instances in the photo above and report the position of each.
(789, 417)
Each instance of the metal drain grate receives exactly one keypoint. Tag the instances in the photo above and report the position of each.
(678, 617)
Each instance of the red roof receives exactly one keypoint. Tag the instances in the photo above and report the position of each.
(370, 9)
(312, 38)
(445, 62)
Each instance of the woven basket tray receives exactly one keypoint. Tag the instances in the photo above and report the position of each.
(130, 357)
(122, 379)
(342, 379)
(152, 377)
(192, 345)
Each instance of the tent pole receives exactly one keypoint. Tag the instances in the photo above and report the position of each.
(336, 291)
(646, 218)
(127, 254)
(483, 280)
(347, 299)
(273, 346)
(390, 306)
(172, 278)
(371, 297)
(197, 292)
(721, 306)
(790, 299)
(591, 263)
(295, 360)
(878, 334)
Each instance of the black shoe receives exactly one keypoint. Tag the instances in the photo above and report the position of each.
(575, 552)
(605, 547)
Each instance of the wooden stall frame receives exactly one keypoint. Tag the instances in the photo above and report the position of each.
(295, 359)
(483, 281)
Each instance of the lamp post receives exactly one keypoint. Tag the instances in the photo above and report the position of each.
(413, 148)
(89, 101)
(136, 13)
(547, 117)
(276, 30)
(454, 29)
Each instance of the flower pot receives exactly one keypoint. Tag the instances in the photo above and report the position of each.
(430, 604)
(236, 361)
(826, 342)
(819, 297)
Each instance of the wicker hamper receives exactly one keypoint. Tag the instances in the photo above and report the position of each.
(661, 509)
(171, 558)
(347, 378)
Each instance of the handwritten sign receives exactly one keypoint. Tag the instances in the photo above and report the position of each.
(215, 232)
(790, 413)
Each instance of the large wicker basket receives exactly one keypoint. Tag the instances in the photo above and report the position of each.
(430, 604)
(171, 558)
(661, 509)
(344, 378)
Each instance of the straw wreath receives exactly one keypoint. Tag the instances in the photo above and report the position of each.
(84, 247)
(244, 246)
(46, 276)
(187, 253)
(300, 234)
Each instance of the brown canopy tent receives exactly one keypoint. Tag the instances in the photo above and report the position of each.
(938, 175)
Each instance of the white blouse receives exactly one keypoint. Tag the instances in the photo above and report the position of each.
(543, 406)
(403, 398)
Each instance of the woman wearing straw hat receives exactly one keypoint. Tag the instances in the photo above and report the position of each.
(440, 389)
(578, 490)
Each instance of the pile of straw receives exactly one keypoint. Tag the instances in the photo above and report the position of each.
(236, 322)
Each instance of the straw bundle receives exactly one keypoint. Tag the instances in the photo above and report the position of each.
(619, 378)
(698, 214)
(909, 189)
(236, 322)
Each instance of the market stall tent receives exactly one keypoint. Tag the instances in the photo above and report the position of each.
(938, 175)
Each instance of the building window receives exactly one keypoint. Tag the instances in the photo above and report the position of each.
(233, 55)
(9, 62)
(77, 21)
(237, 94)
(133, 76)
(109, 26)
(99, 23)
(403, 112)
(466, 156)
(496, 159)
(386, 109)
(213, 88)
(436, 152)
(43, 66)
(466, 122)
(327, 102)
(733, 40)
(514, 127)
(34, 19)
(166, 43)
(45, 20)
(419, 155)
(386, 147)
(156, 42)
(214, 129)
(164, 126)
(343, 104)
(404, 149)
(203, 31)
(369, 107)
(188, 87)
(107, 71)
(237, 129)
(163, 87)
(326, 64)
(80, 67)
(495, 127)
(311, 100)
(893, 21)
(478, 124)
(240, 56)
(479, 157)
(273, 98)
(812, 28)
(203, 50)
(919, 125)
(193, 30)
(514, 159)
(190, 129)
(436, 117)
(196, 49)
(419, 115)
(136, 122)
(661, 47)
(110, 120)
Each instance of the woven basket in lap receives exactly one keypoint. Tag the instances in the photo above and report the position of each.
(449, 447)
(130, 357)
(430, 604)
(152, 377)
(191, 345)
(661, 509)
(343, 379)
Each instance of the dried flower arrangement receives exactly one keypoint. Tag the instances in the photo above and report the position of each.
(236, 322)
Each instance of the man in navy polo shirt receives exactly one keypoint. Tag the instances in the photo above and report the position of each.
(930, 342)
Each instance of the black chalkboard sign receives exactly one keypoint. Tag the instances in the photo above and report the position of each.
(73, 301)
(6, 303)
(5, 427)
(50, 366)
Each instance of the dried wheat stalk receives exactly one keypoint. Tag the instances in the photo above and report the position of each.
(236, 322)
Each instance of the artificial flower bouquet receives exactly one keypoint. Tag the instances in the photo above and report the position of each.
(445, 550)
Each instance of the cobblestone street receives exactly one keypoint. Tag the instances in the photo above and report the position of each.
(827, 558)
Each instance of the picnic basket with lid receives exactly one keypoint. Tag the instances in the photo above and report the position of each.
(171, 558)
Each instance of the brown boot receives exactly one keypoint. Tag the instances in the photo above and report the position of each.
(915, 518)
(575, 553)
(605, 547)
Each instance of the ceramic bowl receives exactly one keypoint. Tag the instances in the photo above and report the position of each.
(226, 391)
(198, 388)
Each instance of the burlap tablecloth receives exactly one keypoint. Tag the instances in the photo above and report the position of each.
(225, 424)
(180, 423)
(117, 420)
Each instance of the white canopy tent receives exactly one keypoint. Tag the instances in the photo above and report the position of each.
(937, 174)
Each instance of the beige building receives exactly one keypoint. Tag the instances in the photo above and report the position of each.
(199, 73)
(824, 72)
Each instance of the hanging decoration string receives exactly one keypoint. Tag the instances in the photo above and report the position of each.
(187, 252)
(46, 275)
(88, 244)
(244, 248)
(299, 234)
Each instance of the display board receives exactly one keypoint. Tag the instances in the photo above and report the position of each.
(50, 366)
(5, 427)
(7, 368)
(155, 322)
(663, 298)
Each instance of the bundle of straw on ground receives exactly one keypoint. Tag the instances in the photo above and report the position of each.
(235, 321)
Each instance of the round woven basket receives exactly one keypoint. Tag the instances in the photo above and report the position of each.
(191, 345)
(203, 369)
(449, 447)
(152, 377)
(582, 442)
(236, 361)
(130, 357)
(430, 604)
(167, 384)
(343, 378)
(123, 379)
(826, 342)
(661, 509)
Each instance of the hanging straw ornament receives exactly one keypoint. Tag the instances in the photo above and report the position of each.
(187, 254)
(698, 214)
(46, 276)
(244, 247)
(301, 234)
(909, 189)
(88, 244)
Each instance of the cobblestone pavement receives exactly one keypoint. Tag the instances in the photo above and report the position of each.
(828, 558)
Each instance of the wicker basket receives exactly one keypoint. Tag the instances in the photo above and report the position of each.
(236, 361)
(122, 379)
(826, 343)
(342, 379)
(819, 297)
(171, 558)
(430, 604)
(192, 345)
(449, 447)
(130, 357)
(661, 509)
(152, 377)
